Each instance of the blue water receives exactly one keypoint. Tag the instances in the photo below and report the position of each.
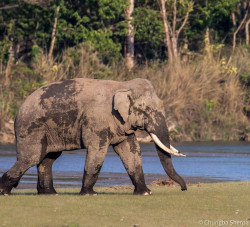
(220, 161)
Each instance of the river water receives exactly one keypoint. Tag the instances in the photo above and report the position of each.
(205, 162)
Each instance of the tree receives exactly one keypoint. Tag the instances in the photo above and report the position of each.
(130, 38)
(240, 16)
(173, 29)
(53, 35)
(98, 22)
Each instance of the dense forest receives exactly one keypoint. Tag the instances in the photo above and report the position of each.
(196, 53)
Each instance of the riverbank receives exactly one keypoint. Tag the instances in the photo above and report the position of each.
(201, 205)
(74, 180)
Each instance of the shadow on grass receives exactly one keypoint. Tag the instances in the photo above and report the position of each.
(117, 192)
(102, 191)
(69, 193)
(20, 193)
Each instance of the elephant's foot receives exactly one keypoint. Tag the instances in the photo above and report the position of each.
(46, 191)
(184, 188)
(142, 191)
(6, 184)
(88, 192)
(4, 192)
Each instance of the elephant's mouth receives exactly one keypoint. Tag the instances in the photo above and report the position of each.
(170, 150)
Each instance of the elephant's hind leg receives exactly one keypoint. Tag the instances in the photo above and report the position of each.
(45, 177)
(130, 154)
(30, 152)
(11, 178)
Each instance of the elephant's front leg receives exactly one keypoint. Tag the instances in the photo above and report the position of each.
(45, 178)
(93, 164)
(130, 154)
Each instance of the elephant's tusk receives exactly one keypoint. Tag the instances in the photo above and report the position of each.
(175, 150)
(172, 150)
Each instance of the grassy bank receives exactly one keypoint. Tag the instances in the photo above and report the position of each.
(168, 206)
(206, 99)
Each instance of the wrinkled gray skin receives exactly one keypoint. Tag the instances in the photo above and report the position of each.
(92, 114)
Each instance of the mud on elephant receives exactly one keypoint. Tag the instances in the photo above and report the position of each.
(92, 114)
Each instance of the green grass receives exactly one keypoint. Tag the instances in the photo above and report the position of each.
(168, 206)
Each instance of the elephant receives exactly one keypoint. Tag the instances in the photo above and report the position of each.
(90, 114)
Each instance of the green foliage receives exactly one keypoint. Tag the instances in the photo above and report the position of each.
(102, 23)
(36, 53)
(102, 41)
(149, 32)
(97, 22)
(218, 17)
(23, 82)
(245, 79)
(210, 104)
(182, 7)
(6, 43)
(110, 11)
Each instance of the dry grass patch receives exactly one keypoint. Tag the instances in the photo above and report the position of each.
(204, 99)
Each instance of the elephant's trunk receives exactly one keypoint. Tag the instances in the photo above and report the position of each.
(167, 164)
(161, 138)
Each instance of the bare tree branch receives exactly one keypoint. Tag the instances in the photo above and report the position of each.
(9, 7)
(169, 27)
(183, 24)
(41, 3)
(239, 27)
(174, 16)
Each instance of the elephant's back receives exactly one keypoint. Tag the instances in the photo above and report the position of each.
(50, 106)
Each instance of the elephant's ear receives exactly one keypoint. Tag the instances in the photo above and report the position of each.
(122, 103)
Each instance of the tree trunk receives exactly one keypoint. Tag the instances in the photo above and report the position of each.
(175, 48)
(234, 19)
(247, 31)
(172, 33)
(185, 51)
(208, 44)
(129, 45)
(9, 63)
(167, 33)
(53, 35)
